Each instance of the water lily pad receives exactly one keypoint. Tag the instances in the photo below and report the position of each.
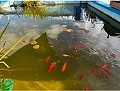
(36, 46)
(6, 85)
(33, 42)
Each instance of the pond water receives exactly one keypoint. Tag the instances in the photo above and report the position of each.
(82, 51)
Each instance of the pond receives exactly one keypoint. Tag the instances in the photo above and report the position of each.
(56, 51)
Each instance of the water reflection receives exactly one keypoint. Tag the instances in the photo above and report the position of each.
(79, 44)
(110, 31)
(8, 18)
(30, 9)
(79, 13)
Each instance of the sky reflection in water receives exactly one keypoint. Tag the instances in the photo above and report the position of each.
(57, 41)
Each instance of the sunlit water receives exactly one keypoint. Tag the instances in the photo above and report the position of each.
(28, 69)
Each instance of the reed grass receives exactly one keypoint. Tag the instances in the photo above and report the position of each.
(1, 34)
(12, 47)
(10, 51)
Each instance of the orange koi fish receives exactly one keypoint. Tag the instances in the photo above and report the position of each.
(82, 76)
(72, 56)
(106, 66)
(47, 60)
(64, 67)
(51, 66)
(96, 65)
(104, 70)
(87, 88)
(106, 74)
(94, 72)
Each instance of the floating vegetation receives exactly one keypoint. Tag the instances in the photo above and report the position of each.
(33, 42)
(69, 30)
(36, 46)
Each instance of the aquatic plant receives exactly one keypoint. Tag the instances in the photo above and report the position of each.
(33, 9)
(10, 51)
(1, 34)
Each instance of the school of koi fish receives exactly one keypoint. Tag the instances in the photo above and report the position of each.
(104, 70)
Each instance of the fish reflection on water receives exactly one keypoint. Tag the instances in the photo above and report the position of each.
(69, 55)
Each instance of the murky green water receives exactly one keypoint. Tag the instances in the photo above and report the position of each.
(86, 41)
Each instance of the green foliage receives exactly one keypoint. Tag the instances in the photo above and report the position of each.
(6, 84)
(34, 10)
